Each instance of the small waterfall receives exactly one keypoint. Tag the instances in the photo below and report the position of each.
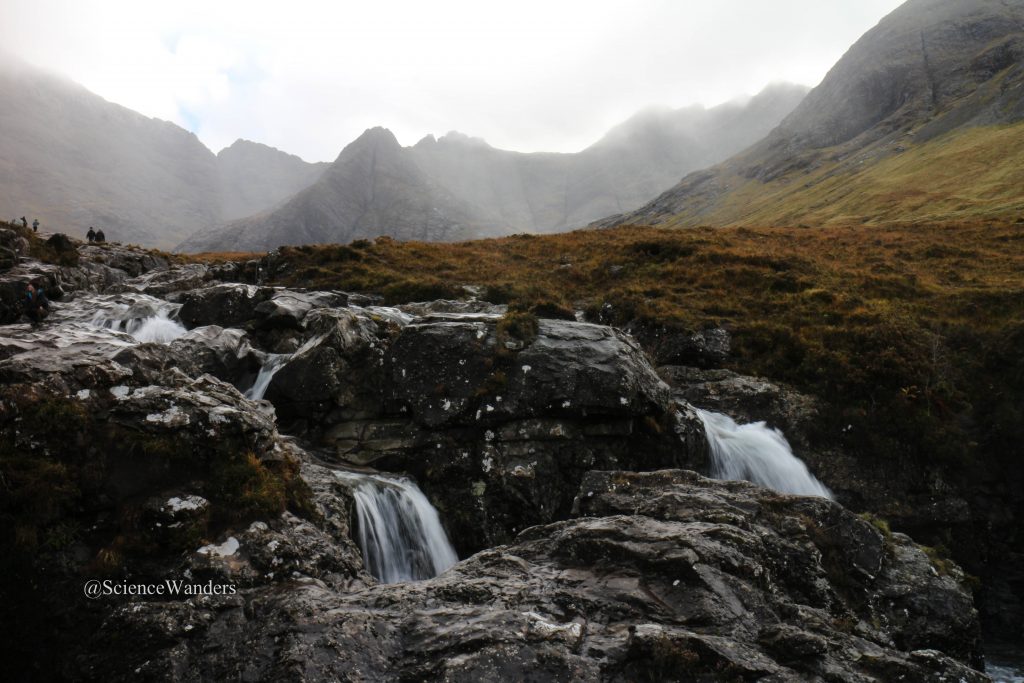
(755, 453)
(146, 318)
(273, 363)
(158, 328)
(400, 532)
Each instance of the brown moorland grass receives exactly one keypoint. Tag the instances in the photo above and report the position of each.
(914, 334)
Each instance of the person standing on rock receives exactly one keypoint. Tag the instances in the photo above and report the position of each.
(35, 225)
(91, 235)
(100, 237)
(24, 223)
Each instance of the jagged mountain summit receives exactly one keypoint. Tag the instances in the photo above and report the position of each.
(374, 187)
(920, 120)
(458, 187)
(73, 159)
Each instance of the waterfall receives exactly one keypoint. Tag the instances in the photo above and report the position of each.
(755, 453)
(400, 532)
(146, 318)
(158, 328)
(273, 363)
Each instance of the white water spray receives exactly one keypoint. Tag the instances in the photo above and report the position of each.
(755, 453)
(400, 532)
(146, 318)
(273, 363)
(159, 329)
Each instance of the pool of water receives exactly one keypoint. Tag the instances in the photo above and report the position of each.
(1004, 663)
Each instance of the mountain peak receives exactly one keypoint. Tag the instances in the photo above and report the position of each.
(374, 139)
(457, 138)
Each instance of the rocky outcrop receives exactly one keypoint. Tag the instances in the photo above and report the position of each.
(666, 576)
(497, 430)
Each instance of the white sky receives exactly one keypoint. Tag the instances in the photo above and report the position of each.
(308, 77)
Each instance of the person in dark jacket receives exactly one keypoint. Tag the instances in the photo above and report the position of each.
(24, 223)
(37, 306)
(100, 237)
(91, 234)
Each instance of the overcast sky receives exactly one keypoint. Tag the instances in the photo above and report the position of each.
(309, 77)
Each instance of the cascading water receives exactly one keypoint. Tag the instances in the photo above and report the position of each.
(755, 453)
(145, 318)
(159, 328)
(273, 363)
(400, 532)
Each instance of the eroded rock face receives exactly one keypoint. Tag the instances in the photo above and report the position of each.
(499, 437)
(334, 376)
(667, 576)
(227, 304)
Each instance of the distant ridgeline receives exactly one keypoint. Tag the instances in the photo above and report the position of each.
(459, 188)
(922, 120)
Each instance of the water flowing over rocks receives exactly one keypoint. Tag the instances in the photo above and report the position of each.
(665, 576)
(552, 462)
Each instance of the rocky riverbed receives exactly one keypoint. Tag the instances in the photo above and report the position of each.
(175, 422)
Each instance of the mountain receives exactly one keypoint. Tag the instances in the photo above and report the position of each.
(922, 119)
(374, 187)
(254, 177)
(73, 159)
(460, 187)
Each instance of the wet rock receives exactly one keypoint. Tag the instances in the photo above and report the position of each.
(334, 375)
(449, 370)
(288, 308)
(669, 576)
(224, 353)
(157, 363)
(132, 260)
(166, 282)
(229, 304)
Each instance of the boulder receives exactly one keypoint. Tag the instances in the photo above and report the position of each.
(334, 376)
(228, 304)
(226, 354)
(287, 308)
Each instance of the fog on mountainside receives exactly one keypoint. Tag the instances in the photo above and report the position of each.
(373, 188)
(904, 127)
(458, 187)
(254, 177)
(75, 160)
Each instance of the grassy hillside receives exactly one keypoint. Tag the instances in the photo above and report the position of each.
(973, 173)
(913, 333)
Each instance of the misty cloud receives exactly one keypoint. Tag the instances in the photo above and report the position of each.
(309, 77)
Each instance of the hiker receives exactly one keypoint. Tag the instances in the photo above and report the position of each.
(37, 306)
(35, 225)
(100, 237)
(24, 223)
(91, 234)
